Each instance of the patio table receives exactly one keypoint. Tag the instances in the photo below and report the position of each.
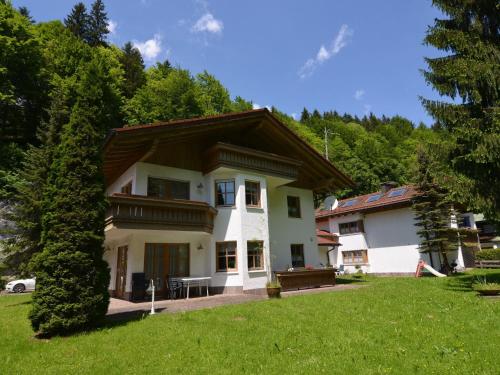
(194, 281)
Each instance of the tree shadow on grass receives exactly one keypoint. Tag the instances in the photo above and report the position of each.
(124, 318)
(350, 280)
(462, 282)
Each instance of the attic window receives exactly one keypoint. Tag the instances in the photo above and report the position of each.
(397, 192)
(374, 198)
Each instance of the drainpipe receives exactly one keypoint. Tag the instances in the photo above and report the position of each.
(328, 254)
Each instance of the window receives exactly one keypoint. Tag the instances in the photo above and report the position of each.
(168, 189)
(255, 251)
(351, 227)
(374, 198)
(127, 188)
(355, 257)
(465, 222)
(293, 206)
(224, 193)
(397, 192)
(297, 255)
(349, 203)
(226, 256)
(252, 193)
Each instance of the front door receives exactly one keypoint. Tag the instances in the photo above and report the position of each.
(121, 271)
(162, 260)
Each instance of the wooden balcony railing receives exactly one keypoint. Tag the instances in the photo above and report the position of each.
(140, 212)
(225, 155)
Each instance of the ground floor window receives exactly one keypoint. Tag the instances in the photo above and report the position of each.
(355, 257)
(297, 251)
(255, 252)
(162, 260)
(226, 256)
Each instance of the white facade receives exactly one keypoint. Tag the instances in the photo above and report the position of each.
(269, 223)
(390, 240)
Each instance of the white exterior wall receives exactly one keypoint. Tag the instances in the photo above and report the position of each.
(285, 231)
(269, 223)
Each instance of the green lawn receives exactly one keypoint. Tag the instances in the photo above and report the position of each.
(392, 325)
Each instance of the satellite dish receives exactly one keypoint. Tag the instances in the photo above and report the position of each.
(330, 203)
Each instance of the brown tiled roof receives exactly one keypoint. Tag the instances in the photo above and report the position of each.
(361, 203)
(326, 238)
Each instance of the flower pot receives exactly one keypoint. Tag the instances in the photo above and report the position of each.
(488, 292)
(274, 292)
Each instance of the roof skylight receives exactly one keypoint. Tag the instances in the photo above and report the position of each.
(349, 203)
(396, 192)
(374, 198)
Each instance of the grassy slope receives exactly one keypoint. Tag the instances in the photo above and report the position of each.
(398, 325)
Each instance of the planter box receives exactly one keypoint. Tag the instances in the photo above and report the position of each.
(306, 279)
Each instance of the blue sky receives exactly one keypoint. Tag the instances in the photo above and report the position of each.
(352, 56)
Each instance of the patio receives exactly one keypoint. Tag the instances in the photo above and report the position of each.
(118, 306)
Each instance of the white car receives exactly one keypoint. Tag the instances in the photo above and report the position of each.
(20, 286)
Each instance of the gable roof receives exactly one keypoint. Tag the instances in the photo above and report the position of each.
(182, 144)
(326, 238)
(362, 204)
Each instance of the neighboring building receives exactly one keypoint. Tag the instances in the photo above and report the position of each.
(487, 233)
(229, 196)
(378, 233)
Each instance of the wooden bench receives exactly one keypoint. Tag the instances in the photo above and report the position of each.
(306, 278)
(488, 263)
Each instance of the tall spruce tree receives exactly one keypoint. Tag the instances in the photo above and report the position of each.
(78, 21)
(433, 212)
(98, 24)
(72, 277)
(470, 75)
(133, 65)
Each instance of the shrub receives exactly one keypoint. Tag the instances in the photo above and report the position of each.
(491, 254)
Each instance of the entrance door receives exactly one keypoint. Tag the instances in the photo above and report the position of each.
(121, 271)
(162, 260)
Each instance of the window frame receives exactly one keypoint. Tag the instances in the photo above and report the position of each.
(169, 180)
(301, 246)
(125, 187)
(257, 192)
(299, 210)
(227, 269)
(352, 256)
(351, 227)
(261, 255)
(225, 181)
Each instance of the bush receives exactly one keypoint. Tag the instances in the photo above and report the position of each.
(491, 254)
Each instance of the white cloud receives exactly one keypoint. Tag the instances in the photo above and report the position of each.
(358, 94)
(256, 106)
(150, 49)
(208, 23)
(112, 25)
(294, 116)
(324, 53)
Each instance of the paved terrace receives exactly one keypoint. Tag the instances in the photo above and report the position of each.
(118, 306)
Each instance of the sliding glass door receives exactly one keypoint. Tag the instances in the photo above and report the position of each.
(162, 260)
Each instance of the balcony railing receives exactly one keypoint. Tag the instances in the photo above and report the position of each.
(225, 155)
(139, 212)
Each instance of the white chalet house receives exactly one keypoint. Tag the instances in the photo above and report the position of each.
(377, 234)
(230, 197)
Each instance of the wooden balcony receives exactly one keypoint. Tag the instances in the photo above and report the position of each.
(226, 155)
(140, 212)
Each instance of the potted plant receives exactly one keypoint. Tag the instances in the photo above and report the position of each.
(273, 289)
(487, 289)
(359, 272)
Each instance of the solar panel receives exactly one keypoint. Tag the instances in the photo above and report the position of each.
(373, 198)
(349, 203)
(396, 193)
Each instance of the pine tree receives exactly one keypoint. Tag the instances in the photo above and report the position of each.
(72, 277)
(470, 75)
(78, 21)
(433, 213)
(98, 24)
(133, 65)
(304, 116)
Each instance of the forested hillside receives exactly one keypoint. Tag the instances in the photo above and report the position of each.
(41, 65)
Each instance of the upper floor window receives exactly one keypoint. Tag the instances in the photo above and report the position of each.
(168, 189)
(252, 193)
(293, 206)
(224, 193)
(465, 222)
(127, 188)
(297, 251)
(351, 227)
